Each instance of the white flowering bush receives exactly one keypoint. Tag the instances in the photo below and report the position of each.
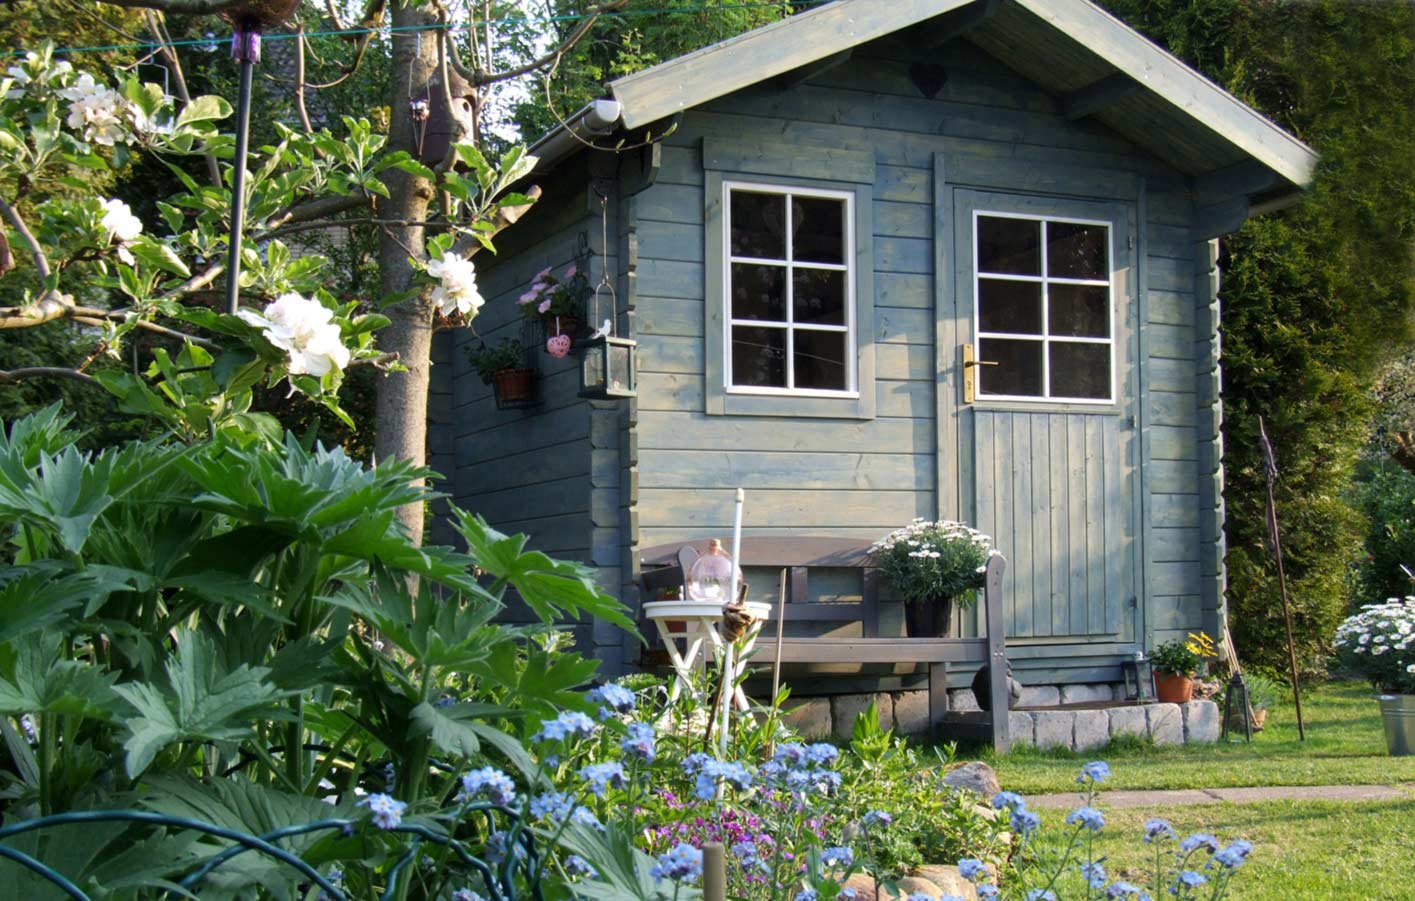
(1377, 643)
(934, 561)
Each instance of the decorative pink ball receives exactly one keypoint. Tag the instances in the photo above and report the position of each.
(557, 345)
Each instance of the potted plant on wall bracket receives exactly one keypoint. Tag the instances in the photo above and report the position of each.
(558, 301)
(1177, 662)
(1379, 644)
(934, 566)
(503, 367)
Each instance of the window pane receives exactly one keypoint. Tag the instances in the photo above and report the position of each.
(1014, 307)
(758, 225)
(818, 296)
(758, 292)
(818, 230)
(1079, 310)
(1018, 370)
(1080, 370)
(1076, 251)
(820, 360)
(1009, 246)
(759, 356)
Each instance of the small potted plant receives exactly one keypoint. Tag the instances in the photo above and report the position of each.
(933, 566)
(1177, 662)
(557, 301)
(1379, 644)
(1262, 695)
(503, 367)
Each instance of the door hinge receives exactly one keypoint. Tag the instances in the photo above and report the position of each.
(1133, 602)
(1129, 242)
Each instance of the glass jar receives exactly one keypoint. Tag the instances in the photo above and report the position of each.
(710, 576)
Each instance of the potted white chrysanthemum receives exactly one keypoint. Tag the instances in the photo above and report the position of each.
(933, 566)
(1379, 644)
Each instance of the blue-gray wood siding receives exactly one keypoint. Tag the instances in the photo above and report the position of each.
(863, 477)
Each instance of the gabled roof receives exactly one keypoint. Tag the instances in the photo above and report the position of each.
(1095, 66)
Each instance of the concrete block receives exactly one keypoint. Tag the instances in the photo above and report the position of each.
(1085, 694)
(810, 718)
(1166, 724)
(1201, 722)
(1127, 721)
(962, 699)
(1055, 728)
(1021, 727)
(844, 709)
(1039, 696)
(1092, 729)
(911, 712)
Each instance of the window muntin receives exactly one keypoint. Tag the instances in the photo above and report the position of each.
(791, 291)
(1043, 308)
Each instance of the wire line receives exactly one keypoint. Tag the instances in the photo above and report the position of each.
(406, 29)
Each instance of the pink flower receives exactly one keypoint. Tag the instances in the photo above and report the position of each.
(542, 275)
(544, 305)
(570, 273)
(528, 297)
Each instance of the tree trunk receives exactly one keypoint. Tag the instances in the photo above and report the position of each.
(400, 415)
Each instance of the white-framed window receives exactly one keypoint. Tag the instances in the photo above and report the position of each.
(789, 279)
(1044, 308)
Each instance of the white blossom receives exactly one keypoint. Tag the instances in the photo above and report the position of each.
(457, 292)
(303, 328)
(96, 110)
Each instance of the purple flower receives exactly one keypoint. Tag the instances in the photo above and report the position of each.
(1095, 771)
(610, 696)
(576, 866)
(822, 754)
(1126, 890)
(1041, 894)
(1199, 840)
(1233, 856)
(681, 863)
(1094, 874)
(1088, 817)
(466, 894)
(792, 754)
(488, 783)
(387, 812)
(972, 869)
(837, 857)
(602, 776)
(1008, 801)
(570, 724)
(1158, 830)
(877, 819)
(640, 742)
(1025, 821)
(1191, 879)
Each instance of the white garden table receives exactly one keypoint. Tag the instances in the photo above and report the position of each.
(702, 630)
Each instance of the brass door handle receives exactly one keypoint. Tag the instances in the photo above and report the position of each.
(970, 376)
(980, 363)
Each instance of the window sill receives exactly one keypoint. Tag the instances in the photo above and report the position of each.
(1108, 408)
(790, 404)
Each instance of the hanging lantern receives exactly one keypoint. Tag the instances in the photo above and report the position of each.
(608, 369)
(1139, 676)
(1236, 709)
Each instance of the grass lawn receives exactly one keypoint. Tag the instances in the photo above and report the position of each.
(1345, 746)
(1308, 850)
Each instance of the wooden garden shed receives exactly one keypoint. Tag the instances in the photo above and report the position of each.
(887, 260)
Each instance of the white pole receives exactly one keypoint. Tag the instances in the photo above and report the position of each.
(729, 665)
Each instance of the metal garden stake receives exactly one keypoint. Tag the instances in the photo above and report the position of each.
(1275, 539)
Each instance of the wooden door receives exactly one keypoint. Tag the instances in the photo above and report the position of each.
(1047, 440)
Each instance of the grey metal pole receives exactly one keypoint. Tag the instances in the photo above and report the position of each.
(245, 50)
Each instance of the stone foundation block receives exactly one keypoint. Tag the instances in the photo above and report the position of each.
(1055, 728)
(1127, 721)
(1201, 722)
(962, 699)
(1092, 729)
(1021, 727)
(1166, 724)
(1039, 696)
(911, 712)
(1085, 694)
(810, 718)
(844, 709)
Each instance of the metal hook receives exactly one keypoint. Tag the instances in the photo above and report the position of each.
(604, 281)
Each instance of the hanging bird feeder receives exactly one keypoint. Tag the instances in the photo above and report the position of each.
(247, 20)
(608, 368)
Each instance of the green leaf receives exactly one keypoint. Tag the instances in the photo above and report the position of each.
(37, 595)
(158, 255)
(206, 108)
(625, 872)
(449, 727)
(202, 701)
(37, 680)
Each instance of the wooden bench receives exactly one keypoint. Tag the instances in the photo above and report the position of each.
(664, 568)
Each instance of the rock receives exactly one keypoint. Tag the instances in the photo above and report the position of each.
(863, 885)
(1039, 696)
(948, 881)
(1092, 729)
(1084, 694)
(1054, 728)
(844, 709)
(911, 713)
(1021, 728)
(1166, 724)
(918, 885)
(810, 718)
(1127, 721)
(962, 699)
(1201, 722)
(975, 776)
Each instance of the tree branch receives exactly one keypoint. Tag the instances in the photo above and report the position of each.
(300, 81)
(41, 262)
(505, 217)
(182, 7)
(11, 376)
(479, 77)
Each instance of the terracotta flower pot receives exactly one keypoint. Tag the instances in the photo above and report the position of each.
(1260, 717)
(1173, 688)
(513, 385)
(928, 619)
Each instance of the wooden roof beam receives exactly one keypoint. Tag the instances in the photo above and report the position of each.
(1247, 178)
(797, 77)
(945, 28)
(1097, 95)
